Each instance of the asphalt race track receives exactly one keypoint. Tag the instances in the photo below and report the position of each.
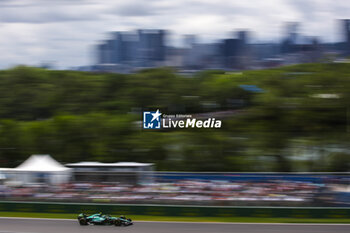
(20, 225)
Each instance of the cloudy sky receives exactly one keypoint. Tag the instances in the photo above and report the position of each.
(63, 32)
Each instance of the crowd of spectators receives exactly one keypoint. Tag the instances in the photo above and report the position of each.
(275, 192)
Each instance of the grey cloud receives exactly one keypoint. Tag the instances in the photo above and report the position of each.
(132, 9)
(75, 25)
(307, 9)
(47, 12)
(31, 3)
(40, 18)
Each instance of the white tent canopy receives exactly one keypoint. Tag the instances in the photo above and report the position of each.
(41, 163)
(42, 168)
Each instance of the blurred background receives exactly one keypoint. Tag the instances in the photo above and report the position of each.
(73, 88)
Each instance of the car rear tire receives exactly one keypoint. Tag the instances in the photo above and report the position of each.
(82, 222)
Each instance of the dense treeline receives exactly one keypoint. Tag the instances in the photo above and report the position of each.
(294, 118)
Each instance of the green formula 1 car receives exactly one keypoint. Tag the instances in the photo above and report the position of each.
(103, 219)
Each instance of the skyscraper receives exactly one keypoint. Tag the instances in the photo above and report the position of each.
(104, 52)
(234, 50)
(288, 44)
(124, 47)
(189, 40)
(346, 32)
(151, 46)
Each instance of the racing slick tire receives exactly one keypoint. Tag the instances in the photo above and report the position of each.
(117, 223)
(83, 222)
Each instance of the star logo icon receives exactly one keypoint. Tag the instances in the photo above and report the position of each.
(155, 115)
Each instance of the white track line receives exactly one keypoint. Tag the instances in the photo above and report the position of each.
(183, 222)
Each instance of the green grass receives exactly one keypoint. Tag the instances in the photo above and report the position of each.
(185, 219)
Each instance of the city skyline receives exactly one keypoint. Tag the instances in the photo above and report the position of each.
(64, 32)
